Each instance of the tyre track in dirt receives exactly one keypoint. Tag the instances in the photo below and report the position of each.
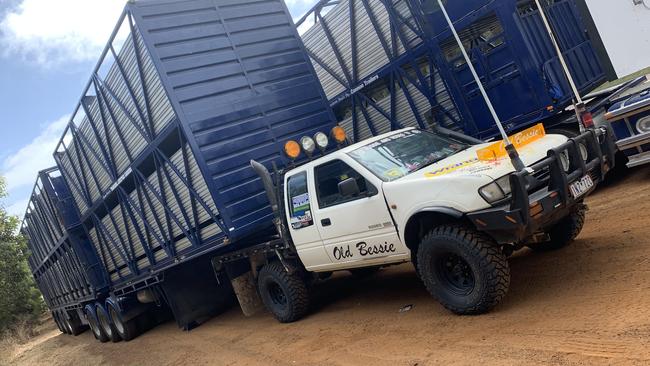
(584, 305)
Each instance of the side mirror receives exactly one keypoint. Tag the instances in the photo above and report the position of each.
(349, 188)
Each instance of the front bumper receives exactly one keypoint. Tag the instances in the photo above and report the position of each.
(541, 196)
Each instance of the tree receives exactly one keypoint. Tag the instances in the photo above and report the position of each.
(19, 297)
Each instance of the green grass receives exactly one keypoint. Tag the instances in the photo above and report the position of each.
(624, 79)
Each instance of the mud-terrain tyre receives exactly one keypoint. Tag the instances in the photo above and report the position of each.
(127, 330)
(106, 324)
(365, 271)
(285, 295)
(563, 233)
(463, 269)
(93, 322)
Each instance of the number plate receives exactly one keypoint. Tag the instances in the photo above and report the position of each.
(582, 186)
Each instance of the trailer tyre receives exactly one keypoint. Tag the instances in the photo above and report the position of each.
(76, 326)
(59, 324)
(106, 324)
(93, 321)
(564, 232)
(284, 295)
(127, 330)
(463, 269)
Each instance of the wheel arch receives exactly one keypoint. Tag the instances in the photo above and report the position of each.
(420, 223)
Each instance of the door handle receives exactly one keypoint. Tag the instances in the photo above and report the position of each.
(326, 222)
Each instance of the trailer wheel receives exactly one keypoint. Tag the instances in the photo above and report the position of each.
(564, 232)
(59, 325)
(105, 323)
(93, 321)
(76, 326)
(463, 269)
(65, 323)
(127, 330)
(284, 295)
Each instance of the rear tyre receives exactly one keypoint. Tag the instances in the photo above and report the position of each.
(463, 269)
(127, 330)
(105, 323)
(93, 322)
(284, 295)
(564, 232)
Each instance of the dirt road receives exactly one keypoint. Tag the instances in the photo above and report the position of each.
(587, 304)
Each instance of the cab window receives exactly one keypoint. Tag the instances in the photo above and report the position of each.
(329, 175)
(299, 203)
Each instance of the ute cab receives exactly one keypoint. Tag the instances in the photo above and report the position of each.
(455, 208)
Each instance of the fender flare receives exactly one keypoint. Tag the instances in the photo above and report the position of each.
(443, 210)
(446, 211)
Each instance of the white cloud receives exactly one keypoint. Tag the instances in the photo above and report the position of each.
(19, 168)
(51, 33)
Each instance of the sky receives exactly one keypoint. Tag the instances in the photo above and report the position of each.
(48, 50)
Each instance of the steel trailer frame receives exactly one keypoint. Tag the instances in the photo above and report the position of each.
(157, 150)
(411, 36)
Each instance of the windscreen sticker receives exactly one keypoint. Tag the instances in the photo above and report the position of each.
(301, 211)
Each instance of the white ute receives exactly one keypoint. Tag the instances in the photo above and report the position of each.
(457, 210)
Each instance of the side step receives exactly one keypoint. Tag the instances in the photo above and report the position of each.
(640, 159)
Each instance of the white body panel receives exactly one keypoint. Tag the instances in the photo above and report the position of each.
(364, 231)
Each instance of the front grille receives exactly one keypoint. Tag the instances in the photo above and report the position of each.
(539, 179)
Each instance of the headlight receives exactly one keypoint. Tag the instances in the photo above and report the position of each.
(564, 161)
(497, 190)
(643, 125)
(584, 153)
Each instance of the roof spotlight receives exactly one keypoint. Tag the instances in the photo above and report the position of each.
(338, 133)
(292, 150)
(321, 140)
(308, 145)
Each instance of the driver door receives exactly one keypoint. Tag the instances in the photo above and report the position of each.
(357, 230)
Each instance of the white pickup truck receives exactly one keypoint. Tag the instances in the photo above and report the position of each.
(454, 208)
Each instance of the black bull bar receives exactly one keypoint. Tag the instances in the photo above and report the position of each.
(540, 195)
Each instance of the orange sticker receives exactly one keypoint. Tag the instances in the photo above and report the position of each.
(519, 140)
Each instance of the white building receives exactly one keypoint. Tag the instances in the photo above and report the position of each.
(624, 27)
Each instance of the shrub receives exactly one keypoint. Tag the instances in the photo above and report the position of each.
(20, 300)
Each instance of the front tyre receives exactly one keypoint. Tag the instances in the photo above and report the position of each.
(463, 269)
(564, 232)
(284, 295)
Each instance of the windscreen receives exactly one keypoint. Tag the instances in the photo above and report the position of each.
(403, 153)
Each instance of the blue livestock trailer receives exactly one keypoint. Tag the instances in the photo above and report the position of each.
(387, 64)
(156, 155)
(64, 264)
